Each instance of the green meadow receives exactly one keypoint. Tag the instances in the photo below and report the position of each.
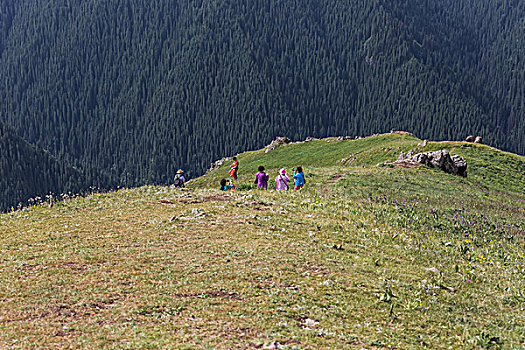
(367, 256)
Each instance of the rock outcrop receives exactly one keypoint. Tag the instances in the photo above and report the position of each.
(423, 144)
(477, 139)
(218, 163)
(460, 164)
(436, 159)
(442, 159)
(280, 140)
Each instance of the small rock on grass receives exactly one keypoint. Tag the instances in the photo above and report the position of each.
(198, 212)
(310, 323)
(434, 270)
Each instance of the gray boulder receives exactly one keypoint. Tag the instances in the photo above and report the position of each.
(461, 165)
(470, 138)
(478, 139)
(442, 160)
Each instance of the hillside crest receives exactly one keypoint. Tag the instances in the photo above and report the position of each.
(364, 250)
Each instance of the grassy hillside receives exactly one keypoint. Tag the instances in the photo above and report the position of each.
(488, 168)
(365, 256)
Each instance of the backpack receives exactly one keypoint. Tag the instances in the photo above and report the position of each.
(177, 181)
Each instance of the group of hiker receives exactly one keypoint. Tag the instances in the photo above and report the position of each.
(261, 178)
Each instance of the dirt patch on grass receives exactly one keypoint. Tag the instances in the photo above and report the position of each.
(257, 205)
(189, 201)
(335, 178)
(260, 208)
(186, 200)
(63, 311)
(217, 197)
(60, 313)
(210, 294)
(332, 181)
(30, 267)
(74, 266)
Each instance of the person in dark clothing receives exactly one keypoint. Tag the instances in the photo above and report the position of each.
(262, 178)
(179, 180)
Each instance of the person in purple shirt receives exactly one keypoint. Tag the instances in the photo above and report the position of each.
(281, 181)
(262, 178)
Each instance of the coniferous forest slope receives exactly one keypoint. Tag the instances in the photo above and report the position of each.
(30, 172)
(139, 89)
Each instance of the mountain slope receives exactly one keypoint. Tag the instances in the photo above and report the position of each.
(365, 256)
(6, 18)
(30, 172)
(470, 43)
(142, 89)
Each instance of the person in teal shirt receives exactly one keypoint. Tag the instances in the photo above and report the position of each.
(298, 176)
(225, 187)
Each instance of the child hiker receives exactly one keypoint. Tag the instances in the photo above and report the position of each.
(281, 181)
(299, 178)
(262, 178)
(234, 169)
(226, 187)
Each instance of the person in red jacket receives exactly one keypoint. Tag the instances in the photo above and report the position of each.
(234, 168)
